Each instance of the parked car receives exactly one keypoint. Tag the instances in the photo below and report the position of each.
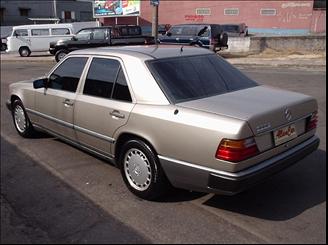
(3, 41)
(147, 30)
(167, 115)
(236, 30)
(209, 36)
(98, 37)
(36, 38)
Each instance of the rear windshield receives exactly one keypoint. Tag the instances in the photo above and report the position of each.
(231, 28)
(194, 77)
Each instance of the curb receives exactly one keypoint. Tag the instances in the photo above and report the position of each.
(309, 61)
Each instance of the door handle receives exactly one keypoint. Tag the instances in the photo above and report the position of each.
(116, 113)
(68, 103)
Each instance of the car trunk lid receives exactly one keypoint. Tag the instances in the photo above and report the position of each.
(264, 108)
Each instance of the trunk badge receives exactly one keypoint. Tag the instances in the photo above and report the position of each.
(288, 114)
(263, 127)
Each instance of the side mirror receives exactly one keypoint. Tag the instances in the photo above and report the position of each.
(74, 38)
(168, 34)
(40, 83)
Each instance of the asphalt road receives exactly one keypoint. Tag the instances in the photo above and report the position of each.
(53, 192)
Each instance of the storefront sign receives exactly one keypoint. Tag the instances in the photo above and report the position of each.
(116, 8)
(194, 17)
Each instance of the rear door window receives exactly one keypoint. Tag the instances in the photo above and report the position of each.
(121, 89)
(101, 77)
(60, 31)
(99, 34)
(40, 32)
(189, 31)
(176, 30)
(106, 80)
(84, 35)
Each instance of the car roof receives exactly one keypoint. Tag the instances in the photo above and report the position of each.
(197, 24)
(150, 51)
(33, 26)
(96, 27)
(232, 24)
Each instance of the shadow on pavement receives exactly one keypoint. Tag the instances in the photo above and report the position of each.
(173, 195)
(283, 196)
(179, 195)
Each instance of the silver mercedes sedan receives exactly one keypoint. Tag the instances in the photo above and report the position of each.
(169, 116)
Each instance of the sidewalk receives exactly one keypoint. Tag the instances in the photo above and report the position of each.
(276, 60)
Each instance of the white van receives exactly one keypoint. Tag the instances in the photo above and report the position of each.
(36, 38)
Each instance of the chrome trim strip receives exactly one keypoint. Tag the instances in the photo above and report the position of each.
(248, 171)
(72, 126)
(95, 134)
(77, 144)
(61, 122)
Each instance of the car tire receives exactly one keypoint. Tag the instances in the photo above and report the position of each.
(21, 121)
(141, 170)
(3, 47)
(24, 51)
(60, 54)
(223, 39)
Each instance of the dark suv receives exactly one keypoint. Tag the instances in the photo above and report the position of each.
(98, 37)
(236, 30)
(209, 36)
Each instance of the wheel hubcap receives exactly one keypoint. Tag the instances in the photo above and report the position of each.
(137, 169)
(20, 119)
(24, 52)
(61, 55)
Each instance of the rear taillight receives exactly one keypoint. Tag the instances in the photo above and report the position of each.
(312, 122)
(236, 150)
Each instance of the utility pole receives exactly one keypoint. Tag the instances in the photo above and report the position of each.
(154, 27)
(55, 8)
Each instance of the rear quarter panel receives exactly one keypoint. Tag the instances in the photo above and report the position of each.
(188, 135)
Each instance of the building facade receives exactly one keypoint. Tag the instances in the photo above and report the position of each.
(261, 16)
(14, 12)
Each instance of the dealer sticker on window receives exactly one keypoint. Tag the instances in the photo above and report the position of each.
(285, 134)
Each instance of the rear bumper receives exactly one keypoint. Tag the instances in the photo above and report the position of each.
(194, 177)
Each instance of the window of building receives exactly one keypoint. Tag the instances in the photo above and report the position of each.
(203, 11)
(2, 13)
(24, 11)
(319, 4)
(66, 77)
(68, 15)
(60, 31)
(268, 12)
(40, 32)
(231, 11)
